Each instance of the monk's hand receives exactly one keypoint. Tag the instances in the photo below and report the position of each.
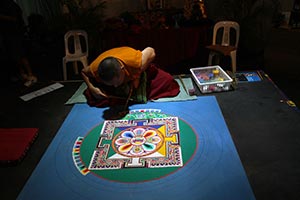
(97, 93)
(84, 76)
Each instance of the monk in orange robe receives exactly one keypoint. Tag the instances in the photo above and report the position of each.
(125, 74)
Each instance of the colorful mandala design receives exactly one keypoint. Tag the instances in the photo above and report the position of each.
(138, 141)
(143, 141)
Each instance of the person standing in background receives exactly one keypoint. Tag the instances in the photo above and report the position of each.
(12, 30)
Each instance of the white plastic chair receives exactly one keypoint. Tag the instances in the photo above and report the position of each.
(226, 44)
(76, 49)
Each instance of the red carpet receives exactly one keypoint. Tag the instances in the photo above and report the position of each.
(14, 143)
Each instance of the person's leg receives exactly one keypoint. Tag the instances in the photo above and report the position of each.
(26, 71)
(160, 83)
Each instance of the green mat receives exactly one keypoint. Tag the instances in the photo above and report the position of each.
(78, 96)
(183, 95)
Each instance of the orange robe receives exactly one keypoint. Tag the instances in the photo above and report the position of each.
(155, 83)
(131, 58)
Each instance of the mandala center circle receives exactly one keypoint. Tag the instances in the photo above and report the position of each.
(138, 140)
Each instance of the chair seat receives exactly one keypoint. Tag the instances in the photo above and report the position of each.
(73, 58)
(225, 50)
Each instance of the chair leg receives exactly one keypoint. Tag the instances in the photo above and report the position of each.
(75, 67)
(233, 61)
(233, 67)
(64, 70)
(84, 62)
(210, 58)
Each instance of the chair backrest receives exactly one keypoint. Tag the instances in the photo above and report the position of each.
(76, 43)
(229, 32)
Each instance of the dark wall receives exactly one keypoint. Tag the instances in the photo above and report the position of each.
(256, 19)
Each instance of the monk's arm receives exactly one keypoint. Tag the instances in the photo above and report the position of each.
(86, 75)
(148, 55)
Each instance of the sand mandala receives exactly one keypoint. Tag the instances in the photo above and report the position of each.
(170, 152)
(144, 145)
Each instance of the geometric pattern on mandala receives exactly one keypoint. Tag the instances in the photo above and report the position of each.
(138, 143)
(76, 157)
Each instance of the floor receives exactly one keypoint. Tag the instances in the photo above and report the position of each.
(281, 63)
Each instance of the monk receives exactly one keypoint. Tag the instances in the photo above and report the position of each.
(121, 75)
